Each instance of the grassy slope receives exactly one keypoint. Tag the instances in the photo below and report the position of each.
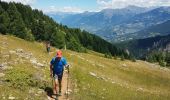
(113, 79)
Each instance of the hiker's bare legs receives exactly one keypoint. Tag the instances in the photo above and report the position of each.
(60, 85)
(55, 86)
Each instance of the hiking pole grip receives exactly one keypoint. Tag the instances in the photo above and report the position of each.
(67, 92)
(68, 70)
(51, 75)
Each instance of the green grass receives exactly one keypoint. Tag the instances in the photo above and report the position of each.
(154, 82)
(117, 80)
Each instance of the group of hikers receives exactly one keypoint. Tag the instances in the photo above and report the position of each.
(57, 65)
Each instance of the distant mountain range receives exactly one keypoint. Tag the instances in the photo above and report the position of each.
(152, 31)
(118, 24)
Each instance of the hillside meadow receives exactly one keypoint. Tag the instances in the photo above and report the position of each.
(24, 74)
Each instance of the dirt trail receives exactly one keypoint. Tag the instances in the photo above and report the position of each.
(64, 89)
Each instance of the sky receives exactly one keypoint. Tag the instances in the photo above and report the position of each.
(52, 6)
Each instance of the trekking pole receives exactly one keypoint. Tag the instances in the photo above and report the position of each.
(51, 76)
(52, 82)
(67, 80)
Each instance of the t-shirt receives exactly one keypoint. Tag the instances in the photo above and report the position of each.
(58, 65)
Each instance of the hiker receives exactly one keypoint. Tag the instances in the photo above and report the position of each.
(48, 46)
(56, 69)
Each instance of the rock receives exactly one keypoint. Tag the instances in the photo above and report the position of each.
(2, 75)
(140, 89)
(113, 82)
(11, 98)
(19, 50)
(40, 65)
(68, 92)
(4, 43)
(101, 65)
(1, 65)
(31, 91)
(44, 62)
(84, 88)
(36, 94)
(102, 78)
(98, 77)
(28, 55)
(12, 52)
(40, 91)
(124, 65)
(109, 78)
(33, 60)
(7, 67)
(5, 56)
(164, 68)
(92, 74)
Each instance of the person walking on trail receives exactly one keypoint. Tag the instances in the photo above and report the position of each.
(57, 65)
(48, 47)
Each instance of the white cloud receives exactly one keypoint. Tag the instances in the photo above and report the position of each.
(53, 9)
(21, 1)
(124, 3)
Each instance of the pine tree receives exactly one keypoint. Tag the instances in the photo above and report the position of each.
(16, 26)
(58, 39)
(74, 45)
(29, 36)
(122, 58)
(167, 59)
(4, 21)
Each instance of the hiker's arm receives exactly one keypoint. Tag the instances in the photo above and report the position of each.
(66, 65)
(51, 67)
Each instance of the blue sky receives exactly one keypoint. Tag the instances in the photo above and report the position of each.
(67, 5)
(84, 4)
(87, 5)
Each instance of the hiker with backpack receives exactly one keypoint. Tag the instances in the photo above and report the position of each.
(48, 47)
(57, 65)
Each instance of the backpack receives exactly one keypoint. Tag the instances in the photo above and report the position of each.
(56, 61)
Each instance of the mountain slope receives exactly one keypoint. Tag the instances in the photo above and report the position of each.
(152, 31)
(33, 25)
(141, 22)
(93, 77)
(160, 29)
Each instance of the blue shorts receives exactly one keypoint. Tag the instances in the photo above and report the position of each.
(58, 76)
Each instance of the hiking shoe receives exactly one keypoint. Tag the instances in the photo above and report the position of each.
(56, 98)
(59, 94)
